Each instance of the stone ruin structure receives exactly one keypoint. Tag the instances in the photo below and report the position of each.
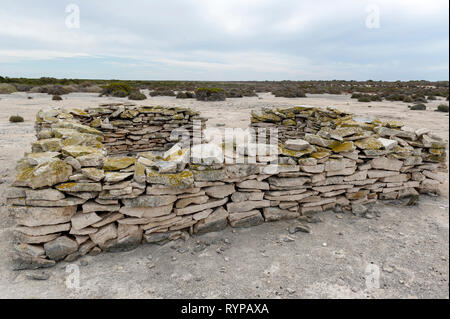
(75, 195)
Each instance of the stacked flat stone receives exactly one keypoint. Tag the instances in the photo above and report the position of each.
(129, 129)
(295, 122)
(70, 198)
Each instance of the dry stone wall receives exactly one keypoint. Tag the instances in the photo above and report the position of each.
(127, 128)
(71, 198)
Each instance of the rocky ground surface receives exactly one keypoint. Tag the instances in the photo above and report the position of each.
(407, 244)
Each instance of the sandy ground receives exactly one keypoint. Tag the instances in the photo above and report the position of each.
(408, 245)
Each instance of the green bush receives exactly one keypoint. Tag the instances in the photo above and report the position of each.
(162, 92)
(210, 94)
(442, 108)
(418, 107)
(185, 95)
(376, 98)
(117, 89)
(408, 99)
(364, 98)
(15, 119)
(137, 95)
(6, 88)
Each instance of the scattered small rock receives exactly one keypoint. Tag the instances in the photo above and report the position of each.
(313, 219)
(369, 215)
(412, 200)
(200, 247)
(299, 227)
(84, 262)
(290, 291)
(388, 268)
(288, 239)
(38, 276)
(418, 107)
(338, 209)
(359, 210)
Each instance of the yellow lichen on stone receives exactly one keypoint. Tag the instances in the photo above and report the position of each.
(319, 155)
(183, 179)
(434, 158)
(66, 186)
(119, 123)
(178, 116)
(287, 152)
(23, 175)
(289, 122)
(347, 131)
(265, 116)
(79, 112)
(79, 150)
(129, 114)
(149, 109)
(47, 145)
(139, 172)
(403, 151)
(369, 144)
(393, 124)
(77, 126)
(175, 156)
(437, 151)
(96, 122)
(49, 173)
(117, 163)
(343, 147)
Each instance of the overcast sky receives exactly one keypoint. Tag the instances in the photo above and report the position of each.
(226, 39)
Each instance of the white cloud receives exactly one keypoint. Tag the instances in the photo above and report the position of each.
(252, 39)
(21, 55)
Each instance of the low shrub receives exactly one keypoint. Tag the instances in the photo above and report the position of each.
(137, 95)
(116, 89)
(22, 87)
(418, 107)
(210, 94)
(364, 98)
(59, 90)
(162, 92)
(289, 92)
(56, 98)
(15, 119)
(6, 88)
(185, 95)
(420, 100)
(369, 98)
(442, 108)
(408, 99)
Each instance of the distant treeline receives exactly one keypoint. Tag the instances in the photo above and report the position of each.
(406, 91)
